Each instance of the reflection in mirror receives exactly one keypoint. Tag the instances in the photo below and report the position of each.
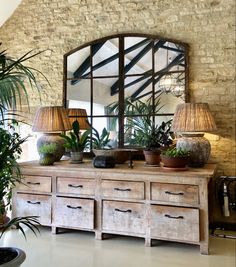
(106, 74)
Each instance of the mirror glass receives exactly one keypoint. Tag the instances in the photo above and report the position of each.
(107, 76)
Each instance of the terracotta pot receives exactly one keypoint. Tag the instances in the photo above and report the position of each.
(174, 162)
(152, 157)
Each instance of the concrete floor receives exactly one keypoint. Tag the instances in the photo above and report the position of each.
(80, 249)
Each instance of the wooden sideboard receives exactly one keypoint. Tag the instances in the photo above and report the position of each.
(147, 202)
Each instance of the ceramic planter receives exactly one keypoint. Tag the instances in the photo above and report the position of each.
(76, 156)
(46, 159)
(174, 162)
(121, 155)
(152, 157)
(11, 257)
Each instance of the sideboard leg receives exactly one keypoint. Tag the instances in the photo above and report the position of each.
(98, 235)
(148, 242)
(54, 230)
(204, 249)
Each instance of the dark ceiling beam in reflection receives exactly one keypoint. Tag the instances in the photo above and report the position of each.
(172, 49)
(141, 54)
(149, 73)
(108, 60)
(86, 64)
(161, 73)
(159, 92)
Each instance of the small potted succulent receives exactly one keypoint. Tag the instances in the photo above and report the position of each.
(76, 142)
(175, 158)
(47, 152)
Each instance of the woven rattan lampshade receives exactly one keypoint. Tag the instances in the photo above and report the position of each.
(192, 120)
(51, 119)
(193, 117)
(80, 115)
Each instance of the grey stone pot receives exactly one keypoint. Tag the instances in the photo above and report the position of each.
(76, 156)
(18, 256)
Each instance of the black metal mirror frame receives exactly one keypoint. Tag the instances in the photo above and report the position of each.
(122, 75)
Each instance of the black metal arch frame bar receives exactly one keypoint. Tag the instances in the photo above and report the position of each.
(150, 43)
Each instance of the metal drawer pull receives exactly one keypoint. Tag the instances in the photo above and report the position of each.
(173, 217)
(35, 203)
(123, 210)
(75, 186)
(71, 207)
(33, 183)
(121, 189)
(173, 193)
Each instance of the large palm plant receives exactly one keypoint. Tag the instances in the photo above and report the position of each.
(15, 79)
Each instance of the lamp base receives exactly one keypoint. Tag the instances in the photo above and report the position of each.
(54, 138)
(198, 146)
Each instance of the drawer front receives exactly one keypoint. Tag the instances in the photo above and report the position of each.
(123, 189)
(74, 212)
(35, 183)
(175, 223)
(34, 205)
(175, 193)
(123, 217)
(76, 186)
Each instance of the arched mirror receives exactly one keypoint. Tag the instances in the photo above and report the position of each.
(107, 76)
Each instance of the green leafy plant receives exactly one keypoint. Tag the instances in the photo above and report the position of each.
(10, 175)
(143, 130)
(76, 141)
(100, 141)
(48, 148)
(15, 79)
(176, 153)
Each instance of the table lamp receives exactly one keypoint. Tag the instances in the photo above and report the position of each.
(191, 120)
(80, 115)
(51, 121)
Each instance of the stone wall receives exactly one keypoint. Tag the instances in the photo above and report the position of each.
(208, 26)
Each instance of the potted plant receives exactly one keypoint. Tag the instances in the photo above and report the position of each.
(10, 150)
(175, 157)
(47, 152)
(144, 131)
(101, 147)
(76, 142)
(15, 78)
(100, 142)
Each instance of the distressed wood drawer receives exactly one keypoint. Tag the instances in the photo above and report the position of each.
(123, 217)
(123, 189)
(174, 223)
(76, 186)
(41, 184)
(74, 212)
(34, 205)
(175, 193)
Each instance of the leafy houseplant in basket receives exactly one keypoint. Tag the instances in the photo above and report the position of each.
(76, 142)
(175, 157)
